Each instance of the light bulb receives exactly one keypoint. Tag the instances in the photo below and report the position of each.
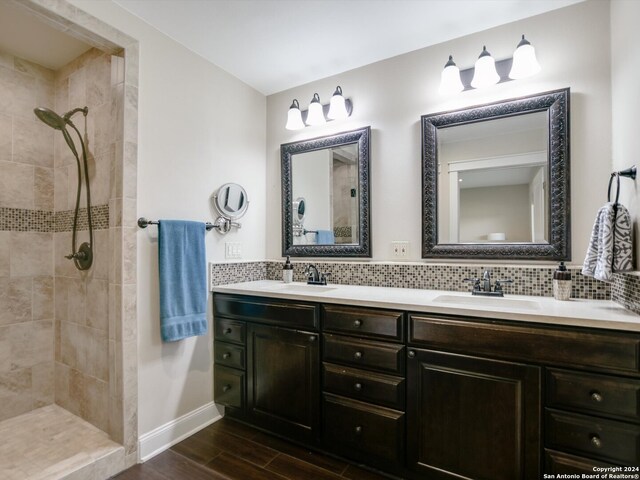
(337, 107)
(485, 74)
(294, 117)
(450, 78)
(315, 115)
(525, 64)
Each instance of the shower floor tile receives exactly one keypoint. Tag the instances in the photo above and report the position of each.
(52, 444)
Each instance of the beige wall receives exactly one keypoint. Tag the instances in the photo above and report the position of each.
(199, 128)
(573, 48)
(26, 257)
(625, 95)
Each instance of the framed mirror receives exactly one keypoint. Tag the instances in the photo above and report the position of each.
(495, 180)
(325, 196)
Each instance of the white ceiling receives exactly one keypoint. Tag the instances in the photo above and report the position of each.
(274, 45)
(25, 36)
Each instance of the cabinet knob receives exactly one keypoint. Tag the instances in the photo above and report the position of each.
(226, 355)
(357, 323)
(226, 388)
(358, 387)
(411, 354)
(595, 441)
(312, 338)
(227, 331)
(358, 430)
(357, 355)
(596, 396)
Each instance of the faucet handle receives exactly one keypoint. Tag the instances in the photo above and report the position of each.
(475, 281)
(500, 282)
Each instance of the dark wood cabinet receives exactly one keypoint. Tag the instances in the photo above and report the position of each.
(430, 397)
(283, 373)
(470, 417)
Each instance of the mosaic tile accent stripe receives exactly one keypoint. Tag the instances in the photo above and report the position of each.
(25, 220)
(625, 290)
(63, 221)
(534, 281)
(224, 273)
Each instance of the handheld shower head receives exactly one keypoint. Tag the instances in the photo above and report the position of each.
(50, 117)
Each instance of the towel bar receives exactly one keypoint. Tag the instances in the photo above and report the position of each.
(144, 223)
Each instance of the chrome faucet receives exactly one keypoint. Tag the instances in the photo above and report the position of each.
(483, 286)
(486, 281)
(314, 276)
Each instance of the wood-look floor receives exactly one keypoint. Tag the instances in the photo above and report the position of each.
(230, 450)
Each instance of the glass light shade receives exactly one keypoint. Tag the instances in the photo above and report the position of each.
(485, 74)
(450, 79)
(525, 64)
(294, 117)
(315, 115)
(337, 106)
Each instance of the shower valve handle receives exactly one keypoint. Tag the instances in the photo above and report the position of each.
(76, 256)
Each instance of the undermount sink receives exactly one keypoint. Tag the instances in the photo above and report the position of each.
(480, 301)
(303, 288)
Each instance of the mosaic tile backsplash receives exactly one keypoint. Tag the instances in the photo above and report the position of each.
(535, 281)
(26, 220)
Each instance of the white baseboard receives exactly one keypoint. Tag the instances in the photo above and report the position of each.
(160, 439)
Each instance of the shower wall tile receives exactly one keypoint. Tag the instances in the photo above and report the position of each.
(43, 189)
(15, 393)
(42, 299)
(60, 189)
(31, 254)
(42, 384)
(15, 300)
(98, 304)
(5, 137)
(17, 93)
(5, 252)
(16, 185)
(100, 168)
(33, 69)
(32, 142)
(98, 78)
(45, 94)
(100, 269)
(78, 88)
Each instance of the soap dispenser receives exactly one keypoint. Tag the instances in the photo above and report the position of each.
(287, 271)
(562, 283)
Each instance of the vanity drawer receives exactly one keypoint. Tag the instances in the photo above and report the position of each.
(363, 431)
(230, 331)
(607, 439)
(366, 386)
(366, 322)
(268, 310)
(561, 346)
(229, 355)
(600, 394)
(228, 387)
(563, 463)
(388, 357)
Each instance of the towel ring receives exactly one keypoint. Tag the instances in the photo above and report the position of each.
(617, 175)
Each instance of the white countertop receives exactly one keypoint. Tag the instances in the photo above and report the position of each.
(583, 313)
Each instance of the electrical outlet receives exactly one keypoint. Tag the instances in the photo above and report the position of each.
(400, 249)
(233, 250)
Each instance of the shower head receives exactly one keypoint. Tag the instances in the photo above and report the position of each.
(50, 117)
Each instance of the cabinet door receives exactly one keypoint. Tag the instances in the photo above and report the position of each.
(472, 418)
(283, 391)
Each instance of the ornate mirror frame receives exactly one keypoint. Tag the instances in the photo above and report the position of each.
(556, 104)
(287, 150)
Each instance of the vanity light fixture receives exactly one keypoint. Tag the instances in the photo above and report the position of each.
(487, 71)
(294, 117)
(315, 116)
(338, 109)
(525, 63)
(450, 79)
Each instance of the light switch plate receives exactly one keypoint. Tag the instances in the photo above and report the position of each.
(232, 250)
(400, 249)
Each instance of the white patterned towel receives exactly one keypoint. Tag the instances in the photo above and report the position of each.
(610, 248)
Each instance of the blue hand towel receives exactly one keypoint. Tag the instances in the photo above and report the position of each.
(325, 237)
(183, 279)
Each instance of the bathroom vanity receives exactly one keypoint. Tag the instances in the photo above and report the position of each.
(420, 384)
